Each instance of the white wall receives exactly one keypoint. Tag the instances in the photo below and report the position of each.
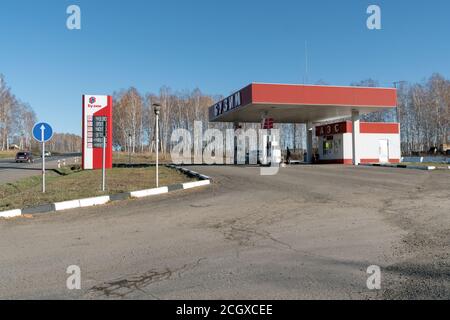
(368, 146)
(348, 149)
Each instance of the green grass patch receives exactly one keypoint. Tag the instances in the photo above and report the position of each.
(83, 184)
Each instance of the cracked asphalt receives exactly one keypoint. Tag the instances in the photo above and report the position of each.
(309, 232)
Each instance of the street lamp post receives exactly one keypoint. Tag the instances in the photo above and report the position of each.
(157, 109)
(129, 149)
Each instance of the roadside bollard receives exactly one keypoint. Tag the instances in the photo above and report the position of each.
(59, 164)
(64, 162)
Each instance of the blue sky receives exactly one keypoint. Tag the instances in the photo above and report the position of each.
(217, 46)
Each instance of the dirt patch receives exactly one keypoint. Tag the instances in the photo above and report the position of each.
(424, 252)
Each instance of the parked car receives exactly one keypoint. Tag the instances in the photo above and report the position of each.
(24, 156)
(47, 153)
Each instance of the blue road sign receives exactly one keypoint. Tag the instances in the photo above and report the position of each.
(42, 132)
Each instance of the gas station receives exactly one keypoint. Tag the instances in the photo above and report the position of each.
(348, 142)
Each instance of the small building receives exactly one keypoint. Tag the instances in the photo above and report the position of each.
(14, 147)
(378, 142)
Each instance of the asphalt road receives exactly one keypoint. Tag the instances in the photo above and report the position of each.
(11, 171)
(305, 233)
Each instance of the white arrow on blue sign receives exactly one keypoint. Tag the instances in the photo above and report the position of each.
(42, 132)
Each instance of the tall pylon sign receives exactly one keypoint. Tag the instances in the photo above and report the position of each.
(97, 124)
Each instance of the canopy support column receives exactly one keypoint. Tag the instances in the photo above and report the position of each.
(236, 128)
(309, 142)
(355, 137)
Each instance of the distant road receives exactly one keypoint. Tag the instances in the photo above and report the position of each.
(11, 171)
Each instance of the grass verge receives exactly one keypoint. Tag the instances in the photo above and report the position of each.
(426, 164)
(83, 184)
(124, 157)
(7, 154)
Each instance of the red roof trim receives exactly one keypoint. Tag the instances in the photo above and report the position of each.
(323, 95)
(379, 127)
(364, 127)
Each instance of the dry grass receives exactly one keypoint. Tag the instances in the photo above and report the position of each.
(83, 184)
(8, 154)
(433, 164)
(124, 157)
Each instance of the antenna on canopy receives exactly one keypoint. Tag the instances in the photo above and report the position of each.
(305, 80)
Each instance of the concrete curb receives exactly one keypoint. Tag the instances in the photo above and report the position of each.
(189, 185)
(404, 166)
(149, 192)
(11, 213)
(95, 201)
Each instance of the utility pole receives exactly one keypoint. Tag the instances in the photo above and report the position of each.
(306, 62)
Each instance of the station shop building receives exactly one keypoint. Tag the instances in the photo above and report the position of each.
(378, 142)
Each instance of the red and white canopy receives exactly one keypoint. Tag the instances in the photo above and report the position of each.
(286, 103)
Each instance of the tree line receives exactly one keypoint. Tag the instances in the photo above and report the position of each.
(423, 110)
(424, 114)
(134, 118)
(16, 119)
(64, 142)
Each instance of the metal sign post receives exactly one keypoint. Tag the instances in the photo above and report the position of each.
(42, 132)
(157, 150)
(104, 158)
(100, 130)
(43, 167)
